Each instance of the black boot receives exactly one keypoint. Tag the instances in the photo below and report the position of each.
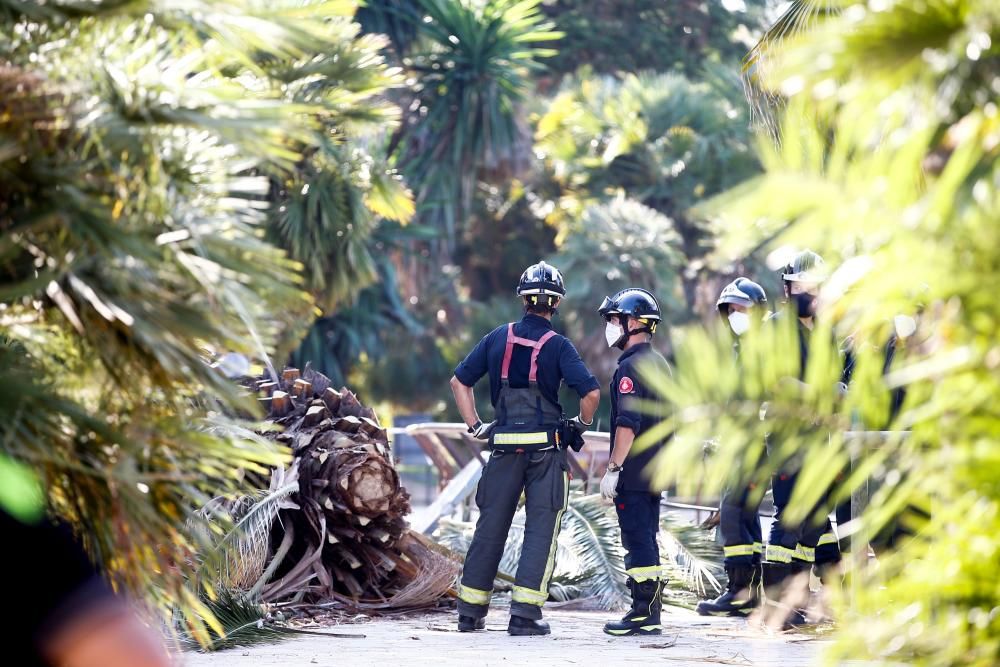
(738, 598)
(469, 624)
(785, 602)
(644, 616)
(524, 627)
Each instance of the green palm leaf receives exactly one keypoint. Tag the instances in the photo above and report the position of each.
(592, 527)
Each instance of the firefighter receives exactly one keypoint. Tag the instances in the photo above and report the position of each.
(631, 318)
(793, 548)
(526, 362)
(739, 304)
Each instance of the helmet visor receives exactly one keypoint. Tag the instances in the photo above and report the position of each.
(608, 307)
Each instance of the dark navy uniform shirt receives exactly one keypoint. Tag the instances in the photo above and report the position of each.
(558, 361)
(626, 386)
(805, 334)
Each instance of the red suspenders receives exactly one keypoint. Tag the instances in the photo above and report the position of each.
(535, 345)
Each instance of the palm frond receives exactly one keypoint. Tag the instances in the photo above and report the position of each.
(801, 16)
(692, 558)
(242, 622)
(236, 561)
(592, 528)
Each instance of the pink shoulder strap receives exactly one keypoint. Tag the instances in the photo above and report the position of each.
(535, 345)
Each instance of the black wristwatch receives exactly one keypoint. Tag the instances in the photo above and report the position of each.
(475, 427)
(614, 467)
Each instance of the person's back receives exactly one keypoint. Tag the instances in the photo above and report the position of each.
(526, 362)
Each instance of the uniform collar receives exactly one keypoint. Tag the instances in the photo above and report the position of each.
(635, 349)
(536, 321)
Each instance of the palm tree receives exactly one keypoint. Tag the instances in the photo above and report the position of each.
(665, 140)
(472, 63)
(889, 165)
(139, 145)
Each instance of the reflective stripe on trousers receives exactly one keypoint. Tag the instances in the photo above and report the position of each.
(543, 477)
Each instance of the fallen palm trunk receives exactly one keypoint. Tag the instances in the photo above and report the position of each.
(342, 535)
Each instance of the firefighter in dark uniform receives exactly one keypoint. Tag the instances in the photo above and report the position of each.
(739, 302)
(793, 548)
(631, 317)
(526, 362)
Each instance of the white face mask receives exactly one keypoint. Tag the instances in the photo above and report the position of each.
(613, 333)
(739, 322)
(905, 325)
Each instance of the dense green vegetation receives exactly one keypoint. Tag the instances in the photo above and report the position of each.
(146, 153)
(360, 190)
(888, 165)
(547, 136)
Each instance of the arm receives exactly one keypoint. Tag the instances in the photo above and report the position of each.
(588, 406)
(472, 368)
(465, 400)
(579, 378)
(624, 437)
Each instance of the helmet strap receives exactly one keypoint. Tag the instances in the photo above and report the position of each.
(647, 327)
(543, 300)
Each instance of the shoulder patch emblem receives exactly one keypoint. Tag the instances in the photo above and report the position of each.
(625, 385)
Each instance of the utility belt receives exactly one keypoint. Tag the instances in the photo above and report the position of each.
(523, 442)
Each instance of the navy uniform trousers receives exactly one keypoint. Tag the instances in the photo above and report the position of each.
(543, 477)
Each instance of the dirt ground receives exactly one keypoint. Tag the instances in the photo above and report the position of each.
(576, 639)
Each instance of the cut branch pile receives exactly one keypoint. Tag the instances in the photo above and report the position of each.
(343, 537)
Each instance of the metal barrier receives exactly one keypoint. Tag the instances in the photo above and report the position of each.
(450, 447)
(459, 459)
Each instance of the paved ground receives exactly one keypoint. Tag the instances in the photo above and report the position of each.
(688, 640)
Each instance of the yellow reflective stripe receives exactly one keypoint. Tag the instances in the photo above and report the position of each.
(550, 564)
(541, 594)
(807, 554)
(538, 438)
(827, 538)
(779, 554)
(529, 596)
(758, 548)
(645, 573)
(738, 550)
(473, 595)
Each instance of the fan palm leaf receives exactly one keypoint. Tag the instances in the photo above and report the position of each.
(693, 559)
(139, 143)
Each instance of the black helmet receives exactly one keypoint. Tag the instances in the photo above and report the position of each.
(542, 286)
(743, 292)
(541, 279)
(806, 266)
(634, 302)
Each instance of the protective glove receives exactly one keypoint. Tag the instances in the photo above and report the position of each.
(580, 425)
(608, 484)
(481, 431)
